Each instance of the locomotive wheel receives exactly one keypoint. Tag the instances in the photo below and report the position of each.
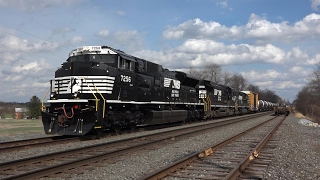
(186, 121)
(117, 128)
(132, 126)
(98, 131)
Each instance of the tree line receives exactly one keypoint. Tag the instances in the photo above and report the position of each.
(307, 100)
(33, 108)
(213, 72)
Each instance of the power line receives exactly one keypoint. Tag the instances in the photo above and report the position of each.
(26, 33)
(28, 52)
(26, 18)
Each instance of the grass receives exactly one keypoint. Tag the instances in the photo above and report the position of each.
(18, 126)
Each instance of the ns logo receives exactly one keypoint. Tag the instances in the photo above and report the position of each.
(171, 83)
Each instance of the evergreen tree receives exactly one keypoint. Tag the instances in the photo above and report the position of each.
(34, 107)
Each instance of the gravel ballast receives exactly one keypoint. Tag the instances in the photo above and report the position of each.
(296, 156)
(298, 152)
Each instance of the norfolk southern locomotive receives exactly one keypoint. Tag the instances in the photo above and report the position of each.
(100, 88)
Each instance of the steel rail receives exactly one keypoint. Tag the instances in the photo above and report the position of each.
(167, 170)
(51, 169)
(29, 143)
(253, 154)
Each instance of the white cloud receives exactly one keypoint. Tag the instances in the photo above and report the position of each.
(315, 4)
(13, 43)
(25, 79)
(26, 90)
(260, 28)
(302, 58)
(264, 76)
(198, 29)
(257, 28)
(127, 35)
(103, 33)
(289, 84)
(300, 70)
(9, 57)
(173, 34)
(31, 69)
(263, 83)
(198, 53)
(245, 44)
(130, 40)
(77, 39)
(276, 80)
(14, 48)
(223, 4)
(312, 61)
(13, 79)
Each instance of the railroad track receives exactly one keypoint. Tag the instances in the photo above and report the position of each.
(239, 157)
(61, 164)
(37, 142)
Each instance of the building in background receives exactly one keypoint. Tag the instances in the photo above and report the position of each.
(20, 113)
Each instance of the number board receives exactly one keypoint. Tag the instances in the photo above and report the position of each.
(125, 78)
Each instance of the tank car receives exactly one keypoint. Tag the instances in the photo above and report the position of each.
(262, 105)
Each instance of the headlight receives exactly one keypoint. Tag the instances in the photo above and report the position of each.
(76, 95)
(53, 95)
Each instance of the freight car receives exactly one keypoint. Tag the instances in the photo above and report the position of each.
(265, 105)
(253, 101)
(282, 109)
(100, 88)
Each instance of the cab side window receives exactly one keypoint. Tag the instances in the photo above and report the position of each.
(125, 64)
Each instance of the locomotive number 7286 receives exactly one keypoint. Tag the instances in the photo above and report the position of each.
(125, 78)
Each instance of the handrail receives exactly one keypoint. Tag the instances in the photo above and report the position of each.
(104, 100)
(205, 108)
(42, 102)
(209, 102)
(92, 93)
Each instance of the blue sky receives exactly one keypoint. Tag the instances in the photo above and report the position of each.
(274, 44)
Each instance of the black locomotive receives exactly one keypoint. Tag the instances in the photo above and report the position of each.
(100, 88)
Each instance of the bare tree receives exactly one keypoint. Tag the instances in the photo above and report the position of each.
(303, 100)
(237, 82)
(226, 78)
(307, 100)
(197, 73)
(214, 73)
(253, 88)
(270, 96)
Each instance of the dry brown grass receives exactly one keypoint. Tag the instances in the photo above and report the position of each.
(301, 116)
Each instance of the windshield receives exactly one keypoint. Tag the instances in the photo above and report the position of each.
(104, 58)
